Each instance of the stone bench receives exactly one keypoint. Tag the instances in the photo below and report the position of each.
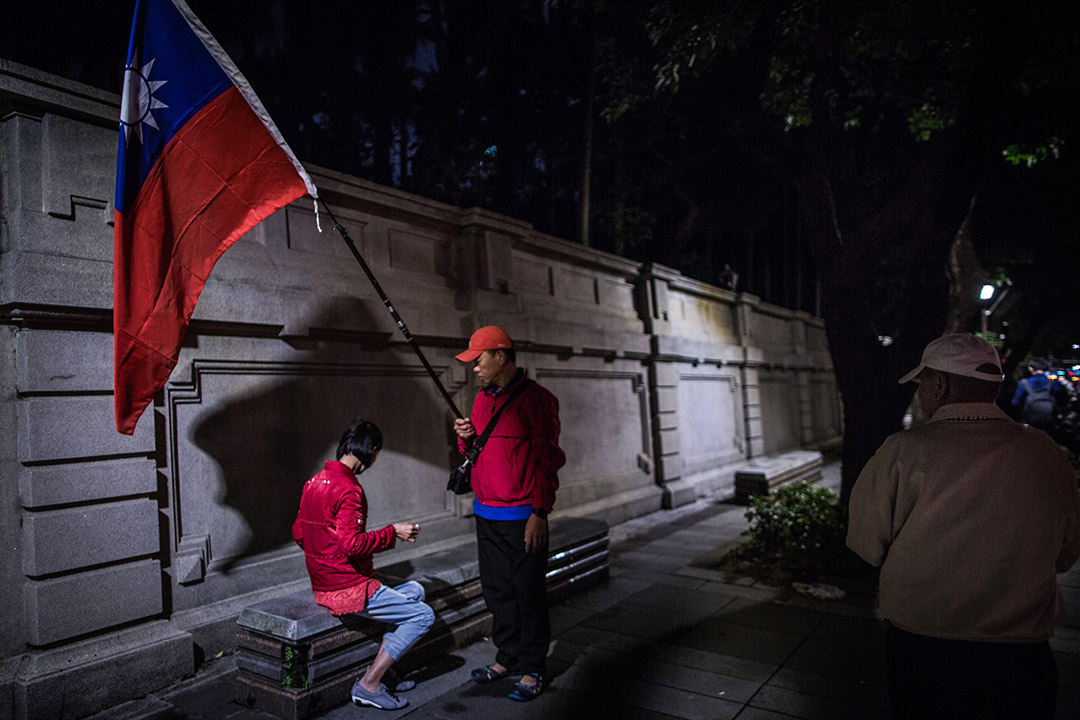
(763, 475)
(294, 659)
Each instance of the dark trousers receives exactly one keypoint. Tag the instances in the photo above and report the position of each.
(936, 678)
(515, 593)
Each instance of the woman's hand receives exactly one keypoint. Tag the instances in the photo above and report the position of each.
(406, 531)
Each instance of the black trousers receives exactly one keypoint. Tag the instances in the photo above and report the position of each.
(937, 678)
(515, 591)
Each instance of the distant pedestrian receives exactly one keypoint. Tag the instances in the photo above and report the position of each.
(515, 478)
(331, 527)
(1039, 397)
(968, 516)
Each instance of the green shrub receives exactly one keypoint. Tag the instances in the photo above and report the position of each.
(799, 528)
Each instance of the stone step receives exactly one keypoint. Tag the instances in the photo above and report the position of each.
(763, 475)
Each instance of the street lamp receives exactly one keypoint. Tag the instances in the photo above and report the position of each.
(998, 294)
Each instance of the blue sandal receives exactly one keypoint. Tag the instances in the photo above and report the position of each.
(524, 693)
(486, 674)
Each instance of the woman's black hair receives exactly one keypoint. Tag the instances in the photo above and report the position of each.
(361, 439)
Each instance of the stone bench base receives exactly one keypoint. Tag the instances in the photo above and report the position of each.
(764, 475)
(294, 659)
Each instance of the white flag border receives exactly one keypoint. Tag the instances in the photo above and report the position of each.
(218, 53)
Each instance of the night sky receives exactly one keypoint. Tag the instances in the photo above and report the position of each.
(76, 40)
(88, 41)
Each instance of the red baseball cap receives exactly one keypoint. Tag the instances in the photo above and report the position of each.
(489, 337)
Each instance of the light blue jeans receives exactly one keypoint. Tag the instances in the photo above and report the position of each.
(404, 607)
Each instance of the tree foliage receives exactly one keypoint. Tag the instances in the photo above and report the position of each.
(889, 122)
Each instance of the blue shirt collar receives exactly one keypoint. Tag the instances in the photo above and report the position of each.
(494, 390)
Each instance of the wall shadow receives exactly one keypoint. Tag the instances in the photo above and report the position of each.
(267, 444)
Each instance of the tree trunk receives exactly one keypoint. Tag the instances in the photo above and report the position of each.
(885, 292)
(586, 162)
(867, 369)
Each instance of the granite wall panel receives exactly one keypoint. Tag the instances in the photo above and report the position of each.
(66, 484)
(69, 180)
(62, 361)
(34, 279)
(667, 399)
(825, 421)
(12, 629)
(532, 276)
(303, 234)
(779, 411)
(617, 295)
(58, 541)
(594, 399)
(74, 605)
(579, 287)
(421, 253)
(710, 409)
(68, 428)
(775, 331)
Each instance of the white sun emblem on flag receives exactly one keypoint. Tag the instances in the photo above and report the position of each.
(138, 99)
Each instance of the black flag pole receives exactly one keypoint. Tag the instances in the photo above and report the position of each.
(393, 312)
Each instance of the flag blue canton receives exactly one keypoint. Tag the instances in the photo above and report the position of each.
(191, 78)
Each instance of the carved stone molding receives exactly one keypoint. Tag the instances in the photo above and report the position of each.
(738, 442)
(191, 559)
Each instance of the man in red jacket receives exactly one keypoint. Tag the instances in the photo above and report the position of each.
(514, 478)
(331, 527)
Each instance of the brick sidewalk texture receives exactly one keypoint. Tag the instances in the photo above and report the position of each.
(669, 636)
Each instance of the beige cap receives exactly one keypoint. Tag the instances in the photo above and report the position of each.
(960, 354)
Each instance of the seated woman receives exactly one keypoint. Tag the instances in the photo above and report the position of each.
(331, 527)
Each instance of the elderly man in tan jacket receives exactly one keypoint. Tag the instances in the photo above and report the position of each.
(969, 516)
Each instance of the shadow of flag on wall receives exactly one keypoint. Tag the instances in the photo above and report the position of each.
(200, 163)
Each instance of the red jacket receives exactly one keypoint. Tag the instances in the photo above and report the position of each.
(519, 464)
(330, 527)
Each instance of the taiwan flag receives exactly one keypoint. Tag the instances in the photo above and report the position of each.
(200, 164)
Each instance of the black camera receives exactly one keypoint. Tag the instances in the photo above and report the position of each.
(460, 481)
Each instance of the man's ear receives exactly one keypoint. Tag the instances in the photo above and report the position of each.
(941, 385)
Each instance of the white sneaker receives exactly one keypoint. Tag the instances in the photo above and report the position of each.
(383, 699)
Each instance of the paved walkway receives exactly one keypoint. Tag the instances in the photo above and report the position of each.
(668, 637)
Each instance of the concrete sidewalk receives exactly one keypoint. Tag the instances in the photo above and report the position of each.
(669, 636)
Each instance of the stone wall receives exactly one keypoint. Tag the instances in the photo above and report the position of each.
(132, 556)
